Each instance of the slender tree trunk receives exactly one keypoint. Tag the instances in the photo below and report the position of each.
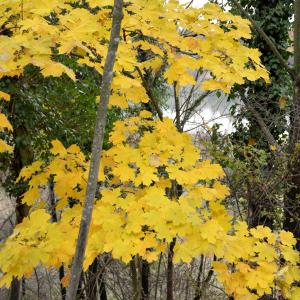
(15, 289)
(170, 270)
(134, 280)
(198, 282)
(96, 149)
(157, 276)
(292, 201)
(145, 270)
(63, 290)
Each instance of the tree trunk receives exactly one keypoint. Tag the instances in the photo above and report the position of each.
(145, 270)
(292, 199)
(170, 270)
(15, 289)
(198, 281)
(96, 149)
(134, 280)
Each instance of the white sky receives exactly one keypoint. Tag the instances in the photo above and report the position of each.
(196, 3)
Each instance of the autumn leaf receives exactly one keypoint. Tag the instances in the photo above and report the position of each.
(4, 96)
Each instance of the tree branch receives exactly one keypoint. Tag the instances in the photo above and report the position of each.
(297, 37)
(188, 99)
(189, 4)
(150, 94)
(177, 107)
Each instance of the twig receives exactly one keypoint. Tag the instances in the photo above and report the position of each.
(189, 111)
(189, 4)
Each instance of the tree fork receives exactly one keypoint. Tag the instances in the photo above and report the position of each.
(96, 150)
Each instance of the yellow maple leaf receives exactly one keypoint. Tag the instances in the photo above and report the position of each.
(4, 147)
(58, 148)
(4, 96)
(287, 238)
(31, 196)
(4, 123)
(27, 171)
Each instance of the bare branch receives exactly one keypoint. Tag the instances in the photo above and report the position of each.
(189, 111)
(189, 4)
(177, 107)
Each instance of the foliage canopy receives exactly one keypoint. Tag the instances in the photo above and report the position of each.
(153, 185)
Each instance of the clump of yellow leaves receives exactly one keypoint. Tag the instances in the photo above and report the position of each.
(69, 168)
(184, 39)
(153, 187)
(259, 262)
(178, 41)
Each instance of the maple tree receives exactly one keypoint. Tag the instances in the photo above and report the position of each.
(139, 209)
(127, 219)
